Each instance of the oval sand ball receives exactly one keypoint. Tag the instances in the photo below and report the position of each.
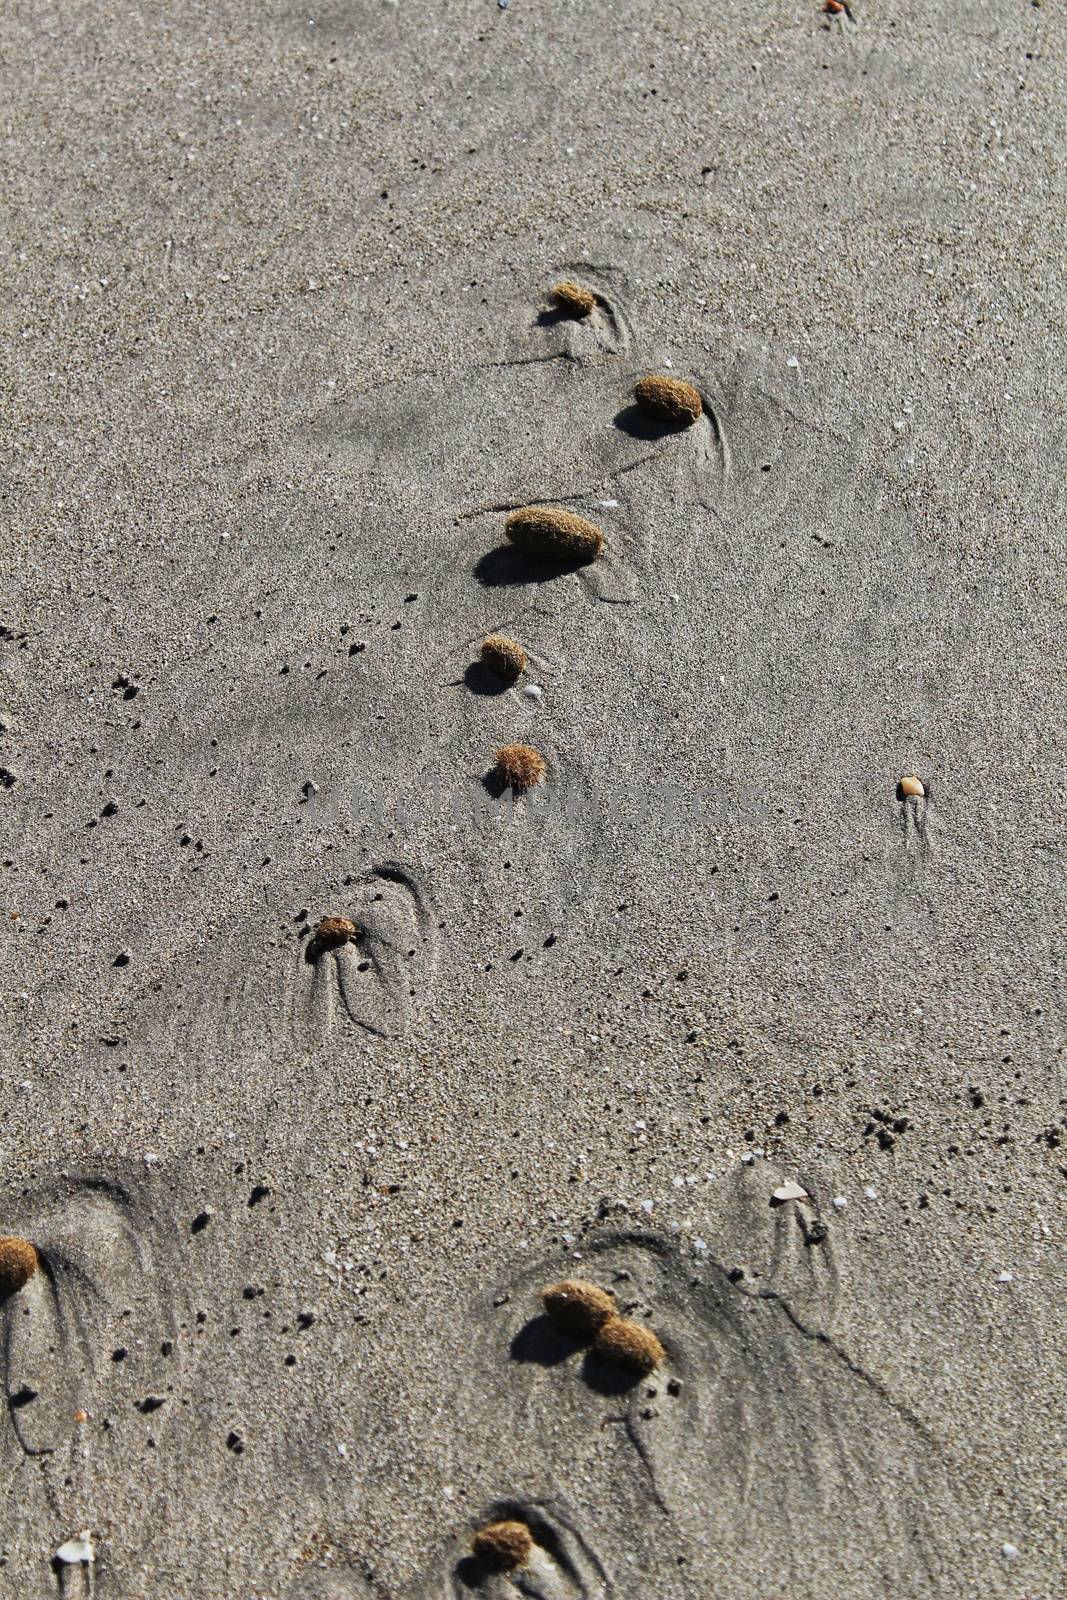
(18, 1263)
(504, 657)
(335, 930)
(910, 784)
(627, 1344)
(572, 299)
(560, 535)
(503, 1545)
(519, 767)
(669, 399)
(577, 1307)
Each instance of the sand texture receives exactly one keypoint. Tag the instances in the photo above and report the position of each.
(282, 359)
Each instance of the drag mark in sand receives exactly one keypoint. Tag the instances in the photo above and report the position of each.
(96, 1261)
(913, 800)
(666, 409)
(538, 1545)
(371, 976)
(582, 305)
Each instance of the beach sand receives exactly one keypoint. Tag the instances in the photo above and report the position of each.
(281, 362)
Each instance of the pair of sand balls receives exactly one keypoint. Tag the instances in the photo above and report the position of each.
(18, 1263)
(584, 1311)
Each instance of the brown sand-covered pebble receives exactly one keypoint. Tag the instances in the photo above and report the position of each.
(669, 399)
(577, 1307)
(335, 930)
(18, 1263)
(504, 657)
(559, 535)
(503, 1546)
(519, 767)
(572, 299)
(627, 1344)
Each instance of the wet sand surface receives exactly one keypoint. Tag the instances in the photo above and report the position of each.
(282, 361)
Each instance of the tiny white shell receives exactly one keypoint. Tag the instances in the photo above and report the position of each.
(790, 1191)
(80, 1548)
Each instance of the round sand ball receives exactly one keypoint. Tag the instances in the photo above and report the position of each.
(504, 657)
(555, 535)
(18, 1263)
(577, 1307)
(520, 768)
(335, 930)
(669, 399)
(911, 785)
(627, 1344)
(572, 299)
(503, 1545)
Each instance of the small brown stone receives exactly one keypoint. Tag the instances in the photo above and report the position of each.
(81, 1417)
(504, 657)
(669, 399)
(572, 299)
(520, 768)
(911, 785)
(335, 930)
(558, 535)
(577, 1307)
(503, 1546)
(18, 1263)
(627, 1344)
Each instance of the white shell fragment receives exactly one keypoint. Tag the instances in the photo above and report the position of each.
(76, 1550)
(790, 1191)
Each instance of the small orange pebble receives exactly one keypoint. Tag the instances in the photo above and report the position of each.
(669, 399)
(577, 1307)
(335, 930)
(81, 1416)
(520, 768)
(18, 1263)
(572, 299)
(503, 1545)
(628, 1344)
(833, 7)
(911, 785)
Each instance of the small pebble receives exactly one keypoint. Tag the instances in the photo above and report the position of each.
(572, 299)
(911, 785)
(1009, 1551)
(790, 1191)
(840, 1202)
(77, 1550)
(669, 399)
(533, 691)
(503, 1546)
(629, 1345)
